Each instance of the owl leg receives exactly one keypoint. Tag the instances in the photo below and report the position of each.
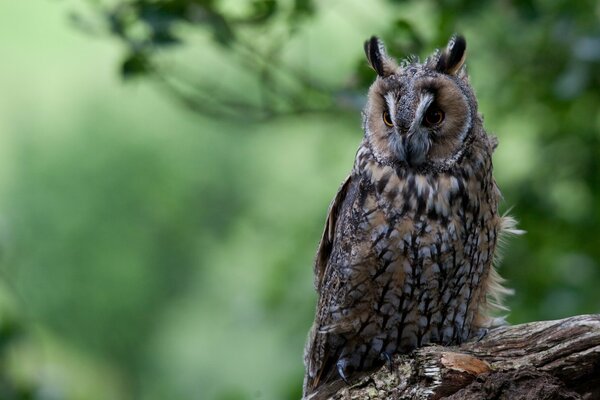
(480, 334)
(348, 362)
(388, 360)
(342, 368)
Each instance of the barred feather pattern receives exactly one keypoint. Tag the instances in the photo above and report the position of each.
(411, 263)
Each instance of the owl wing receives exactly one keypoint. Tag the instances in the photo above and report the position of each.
(326, 243)
(317, 356)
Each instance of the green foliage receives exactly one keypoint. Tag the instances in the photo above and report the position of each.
(157, 249)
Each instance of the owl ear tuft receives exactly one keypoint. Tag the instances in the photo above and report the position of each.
(378, 58)
(453, 57)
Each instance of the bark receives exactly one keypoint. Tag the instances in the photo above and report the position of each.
(539, 360)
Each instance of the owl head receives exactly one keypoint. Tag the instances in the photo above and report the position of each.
(420, 115)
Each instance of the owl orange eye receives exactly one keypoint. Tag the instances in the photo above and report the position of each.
(433, 116)
(387, 119)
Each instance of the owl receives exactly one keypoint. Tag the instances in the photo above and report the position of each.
(406, 257)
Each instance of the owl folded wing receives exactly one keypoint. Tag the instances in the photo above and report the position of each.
(326, 243)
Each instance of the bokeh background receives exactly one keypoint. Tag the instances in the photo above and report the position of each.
(166, 166)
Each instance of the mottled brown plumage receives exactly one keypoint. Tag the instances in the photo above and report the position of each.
(409, 242)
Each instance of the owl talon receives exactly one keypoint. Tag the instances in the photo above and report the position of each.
(388, 360)
(481, 333)
(341, 368)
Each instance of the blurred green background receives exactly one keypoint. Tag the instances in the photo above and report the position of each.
(166, 166)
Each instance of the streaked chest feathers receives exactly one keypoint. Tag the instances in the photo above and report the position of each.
(407, 251)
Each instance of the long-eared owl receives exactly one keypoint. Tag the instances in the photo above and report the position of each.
(407, 252)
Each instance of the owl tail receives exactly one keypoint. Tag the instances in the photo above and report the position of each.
(320, 359)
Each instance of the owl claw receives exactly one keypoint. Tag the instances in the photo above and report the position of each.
(388, 360)
(341, 368)
(481, 333)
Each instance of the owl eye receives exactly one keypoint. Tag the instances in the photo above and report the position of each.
(434, 116)
(386, 119)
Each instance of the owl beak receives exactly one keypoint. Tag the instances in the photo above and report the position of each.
(417, 140)
(417, 146)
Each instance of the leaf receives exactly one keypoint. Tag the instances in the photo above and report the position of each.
(303, 8)
(165, 38)
(262, 11)
(402, 39)
(222, 30)
(135, 65)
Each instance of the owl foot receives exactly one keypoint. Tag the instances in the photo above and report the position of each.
(388, 360)
(342, 365)
(480, 334)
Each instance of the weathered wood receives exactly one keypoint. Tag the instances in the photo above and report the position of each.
(539, 360)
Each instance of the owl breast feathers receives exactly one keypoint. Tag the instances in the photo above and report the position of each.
(407, 252)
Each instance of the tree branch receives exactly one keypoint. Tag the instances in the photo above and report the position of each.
(539, 360)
